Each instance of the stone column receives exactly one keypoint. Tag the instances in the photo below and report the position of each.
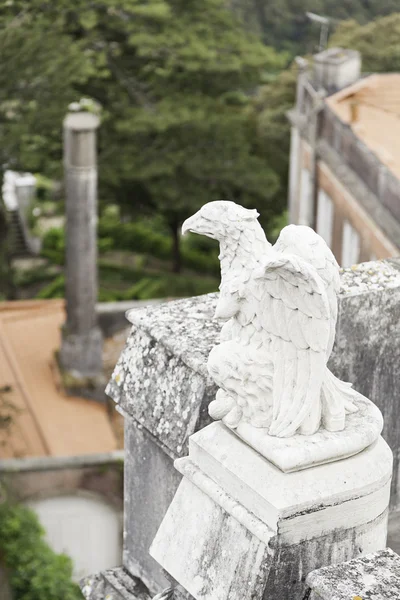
(81, 351)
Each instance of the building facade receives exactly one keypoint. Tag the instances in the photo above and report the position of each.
(344, 178)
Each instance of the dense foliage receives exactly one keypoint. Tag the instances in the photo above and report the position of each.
(174, 78)
(140, 272)
(377, 41)
(35, 571)
(284, 24)
(269, 111)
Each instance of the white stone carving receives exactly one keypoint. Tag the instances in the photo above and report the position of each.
(280, 307)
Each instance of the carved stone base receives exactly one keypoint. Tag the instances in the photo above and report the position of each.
(363, 428)
(241, 529)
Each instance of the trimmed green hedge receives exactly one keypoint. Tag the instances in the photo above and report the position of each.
(137, 237)
(35, 571)
(147, 286)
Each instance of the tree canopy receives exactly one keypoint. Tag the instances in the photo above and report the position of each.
(173, 78)
(284, 24)
(377, 41)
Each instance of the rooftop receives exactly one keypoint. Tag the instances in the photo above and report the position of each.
(46, 422)
(371, 107)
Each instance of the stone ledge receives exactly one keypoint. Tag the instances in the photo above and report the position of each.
(116, 584)
(372, 577)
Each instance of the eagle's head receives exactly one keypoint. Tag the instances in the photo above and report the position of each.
(219, 220)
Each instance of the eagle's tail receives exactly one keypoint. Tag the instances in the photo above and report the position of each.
(337, 399)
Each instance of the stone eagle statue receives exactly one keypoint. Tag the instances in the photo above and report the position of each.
(280, 308)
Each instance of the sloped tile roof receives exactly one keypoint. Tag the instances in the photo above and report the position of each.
(46, 422)
(377, 122)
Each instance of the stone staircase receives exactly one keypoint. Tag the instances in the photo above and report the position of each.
(16, 192)
(17, 240)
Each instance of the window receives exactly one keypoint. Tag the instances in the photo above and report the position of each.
(325, 217)
(350, 245)
(305, 211)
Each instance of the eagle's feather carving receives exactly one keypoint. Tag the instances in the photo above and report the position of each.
(280, 307)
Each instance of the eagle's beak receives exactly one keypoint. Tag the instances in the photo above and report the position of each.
(198, 224)
(190, 224)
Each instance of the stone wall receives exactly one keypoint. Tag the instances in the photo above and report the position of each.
(367, 347)
(162, 387)
(354, 153)
(31, 478)
(111, 315)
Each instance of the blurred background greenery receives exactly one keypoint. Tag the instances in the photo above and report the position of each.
(193, 99)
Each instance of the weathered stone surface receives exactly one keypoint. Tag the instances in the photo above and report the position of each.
(367, 348)
(218, 557)
(240, 529)
(393, 540)
(299, 452)
(161, 378)
(111, 316)
(372, 577)
(150, 485)
(114, 584)
(81, 350)
(118, 584)
(183, 333)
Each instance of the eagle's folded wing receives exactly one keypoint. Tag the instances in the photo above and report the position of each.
(294, 310)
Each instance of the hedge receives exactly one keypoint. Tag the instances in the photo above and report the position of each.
(147, 286)
(136, 237)
(35, 571)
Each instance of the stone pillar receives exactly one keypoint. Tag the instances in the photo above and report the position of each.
(81, 351)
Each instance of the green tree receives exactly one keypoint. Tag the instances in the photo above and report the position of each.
(378, 42)
(174, 78)
(35, 571)
(269, 111)
(40, 68)
(284, 24)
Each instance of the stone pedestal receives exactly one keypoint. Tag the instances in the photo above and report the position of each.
(240, 528)
(81, 351)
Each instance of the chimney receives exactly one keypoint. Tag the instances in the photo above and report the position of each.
(336, 68)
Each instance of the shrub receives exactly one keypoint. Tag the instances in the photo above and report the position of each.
(55, 289)
(53, 245)
(36, 572)
(54, 239)
(36, 275)
(138, 237)
(170, 287)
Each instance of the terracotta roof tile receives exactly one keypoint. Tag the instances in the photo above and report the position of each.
(47, 422)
